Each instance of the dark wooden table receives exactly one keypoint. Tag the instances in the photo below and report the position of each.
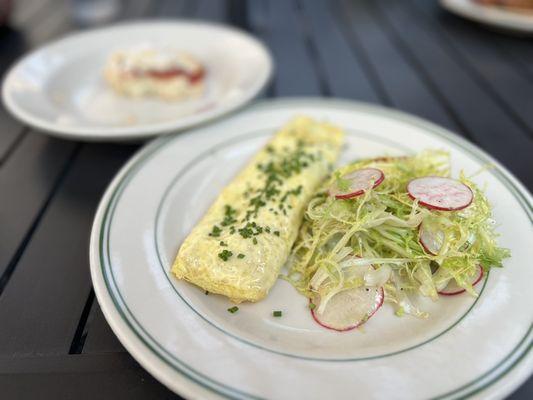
(411, 55)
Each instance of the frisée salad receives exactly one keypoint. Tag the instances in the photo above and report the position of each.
(389, 229)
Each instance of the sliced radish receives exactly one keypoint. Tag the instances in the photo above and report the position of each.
(349, 309)
(359, 181)
(453, 288)
(430, 237)
(439, 193)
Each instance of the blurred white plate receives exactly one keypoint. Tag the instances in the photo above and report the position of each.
(495, 16)
(59, 88)
(187, 340)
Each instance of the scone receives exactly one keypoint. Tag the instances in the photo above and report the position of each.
(150, 71)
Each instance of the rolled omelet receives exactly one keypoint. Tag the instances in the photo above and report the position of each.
(240, 245)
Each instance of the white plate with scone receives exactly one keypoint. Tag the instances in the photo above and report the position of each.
(136, 80)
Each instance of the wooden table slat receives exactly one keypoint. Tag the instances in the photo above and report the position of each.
(405, 88)
(479, 114)
(29, 12)
(208, 10)
(105, 376)
(10, 134)
(56, 283)
(519, 50)
(171, 8)
(511, 90)
(277, 23)
(135, 9)
(26, 181)
(12, 45)
(55, 23)
(344, 70)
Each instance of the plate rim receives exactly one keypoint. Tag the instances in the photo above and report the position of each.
(125, 133)
(490, 16)
(185, 386)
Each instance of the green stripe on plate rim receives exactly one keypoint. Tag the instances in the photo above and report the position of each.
(144, 154)
(237, 139)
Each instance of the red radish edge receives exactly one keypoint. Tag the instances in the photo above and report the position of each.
(476, 281)
(438, 208)
(381, 301)
(422, 241)
(360, 192)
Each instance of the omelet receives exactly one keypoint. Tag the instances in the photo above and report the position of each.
(239, 247)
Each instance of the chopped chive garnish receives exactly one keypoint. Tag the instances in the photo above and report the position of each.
(241, 255)
(276, 313)
(284, 163)
(233, 309)
(216, 231)
(312, 306)
(229, 216)
(225, 254)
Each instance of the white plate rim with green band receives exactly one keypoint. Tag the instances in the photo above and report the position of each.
(477, 348)
(59, 88)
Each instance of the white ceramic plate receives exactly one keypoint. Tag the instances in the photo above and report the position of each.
(497, 17)
(190, 342)
(59, 88)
